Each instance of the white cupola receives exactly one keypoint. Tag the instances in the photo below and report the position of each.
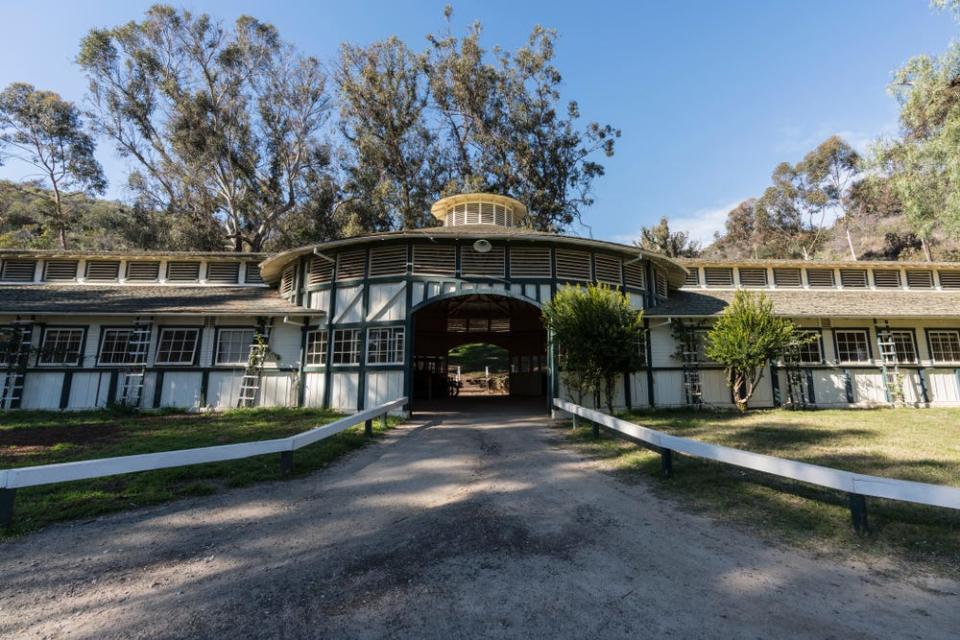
(478, 208)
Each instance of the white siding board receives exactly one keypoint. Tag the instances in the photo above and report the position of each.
(180, 389)
(41, 390)
(314, 384)
(343, 391)
(383, 386)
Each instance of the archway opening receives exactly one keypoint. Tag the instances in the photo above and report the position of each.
(496, 338)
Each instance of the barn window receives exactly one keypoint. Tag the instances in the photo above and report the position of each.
(122, 346)
(573, 265)
(317, 347)
(287, 279)
(252, 273)
(949, 279)
(61, 346)
(718, 276)
(346, 346)
(821, 278)
(350, 264)
(919, 279)
(530, 262)
(320, 270)
(385, 345)
(388, 261)
(233, 345)
(177, 345)
(103, 270)
(754, 278)
(490, 264)
(60, 270)
(853, 278)
(436, 259)
(852, 345)
(944, 345)
(886, 278)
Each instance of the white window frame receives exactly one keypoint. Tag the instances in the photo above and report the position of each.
(105, 338)
(233, 331)
(385, 345)
(160, 359)
(898, 335)
(818, 343)
(316, 349)
(346, 347)
(866, 345)
(932, 339)
(73, 360)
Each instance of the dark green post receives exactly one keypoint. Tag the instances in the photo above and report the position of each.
(368, 428)
(7, 497)
(286, 463)
(858, 512)
(596, 430)
(666, 462)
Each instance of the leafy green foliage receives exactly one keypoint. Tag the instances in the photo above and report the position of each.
(597, 336)
(675, 244)
(44, 131)
(474, 357)
(745, 337)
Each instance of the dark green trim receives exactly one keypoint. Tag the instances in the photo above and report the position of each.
(649, 363)
(112, 387)
(65, 389)
(848, 385)
(364, 311)
(301, 378)
(775, 385)
(204, 386)
(924, 392)
(331, 312)
(811, 393)
(158, 389)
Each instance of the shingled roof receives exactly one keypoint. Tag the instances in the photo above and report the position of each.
(837, 304)
(146, 300)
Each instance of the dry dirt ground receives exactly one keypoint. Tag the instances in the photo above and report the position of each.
(450, 527)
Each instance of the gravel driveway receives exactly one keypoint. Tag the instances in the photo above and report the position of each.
(450, 527)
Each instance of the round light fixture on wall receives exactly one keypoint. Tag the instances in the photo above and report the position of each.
(482, 246)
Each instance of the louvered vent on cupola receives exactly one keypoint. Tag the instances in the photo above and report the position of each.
(753, 278)
(320, 271)
(178, 271)
(607, 269)
(18, 270)
(491, 264)
(660, 281)
(692, 278)
(435, 259)
(140, 271)
(288, 280)
(917, 279)
(853, 278)
(388, 261)
(103, 270)
(60, 270)
(949, 279)
(573, 265)
(718, 276)
(633, 275)
(223, 272)
(251, 273)
(530, 262)
(787, 278)
(821, 278)
(351, 264)
(886, 278)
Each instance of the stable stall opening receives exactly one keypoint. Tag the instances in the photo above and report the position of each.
(497, 338)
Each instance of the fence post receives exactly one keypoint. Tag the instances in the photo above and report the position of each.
(383, 421)
(666, 462)
(286, 463)
(596, 430)
(368, 428)
(7, 497)
(858, 512)
(576, 421)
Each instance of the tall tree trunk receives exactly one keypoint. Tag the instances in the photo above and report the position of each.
(926, 249)
(853, 252)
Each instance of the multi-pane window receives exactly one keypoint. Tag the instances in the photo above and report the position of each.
(944, 345)
(177, 345)
(317, 347)
(346, 346)
(385, 346)
(903, 346)
(61, 346)
(233, 345)
(810, 352)
(852, 345)
(119, 347)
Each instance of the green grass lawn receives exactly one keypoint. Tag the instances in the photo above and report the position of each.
(911, 444)
(33, 438)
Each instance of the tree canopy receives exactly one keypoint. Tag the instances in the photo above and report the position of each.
(674, 244)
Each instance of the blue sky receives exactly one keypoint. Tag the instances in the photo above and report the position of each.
(710, 95)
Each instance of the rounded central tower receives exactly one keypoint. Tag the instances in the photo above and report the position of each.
(478, 208)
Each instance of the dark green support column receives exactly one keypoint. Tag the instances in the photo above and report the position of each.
(596, 431)
(7, 497)
(368, 428)
(666, 462)
(858, 513)
(286, 463)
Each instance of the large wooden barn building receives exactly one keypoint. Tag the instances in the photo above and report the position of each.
(355, 322)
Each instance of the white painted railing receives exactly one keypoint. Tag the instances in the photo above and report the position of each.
(857, 485)
(12, 479)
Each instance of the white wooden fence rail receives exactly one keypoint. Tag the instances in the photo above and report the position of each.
(12, 479)
(855, 484)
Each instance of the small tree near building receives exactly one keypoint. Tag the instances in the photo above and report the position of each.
(745, 338)
(598, 337)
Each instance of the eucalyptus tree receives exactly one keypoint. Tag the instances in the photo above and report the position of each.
(674, 244)
(46, 132)
(223, 124)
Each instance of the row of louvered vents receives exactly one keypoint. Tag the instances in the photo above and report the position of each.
(525, 262)
(825, 278)
(136, 271)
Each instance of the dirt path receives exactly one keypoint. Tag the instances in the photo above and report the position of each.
(454, 528)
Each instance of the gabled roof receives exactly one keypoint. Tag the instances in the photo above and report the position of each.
(817, 304)
(86, 300)
(271, 268)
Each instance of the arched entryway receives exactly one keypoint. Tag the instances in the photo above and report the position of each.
(506, 321)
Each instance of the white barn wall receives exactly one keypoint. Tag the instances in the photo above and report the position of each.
(383, 386)
(41, 390)
(314, 385)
